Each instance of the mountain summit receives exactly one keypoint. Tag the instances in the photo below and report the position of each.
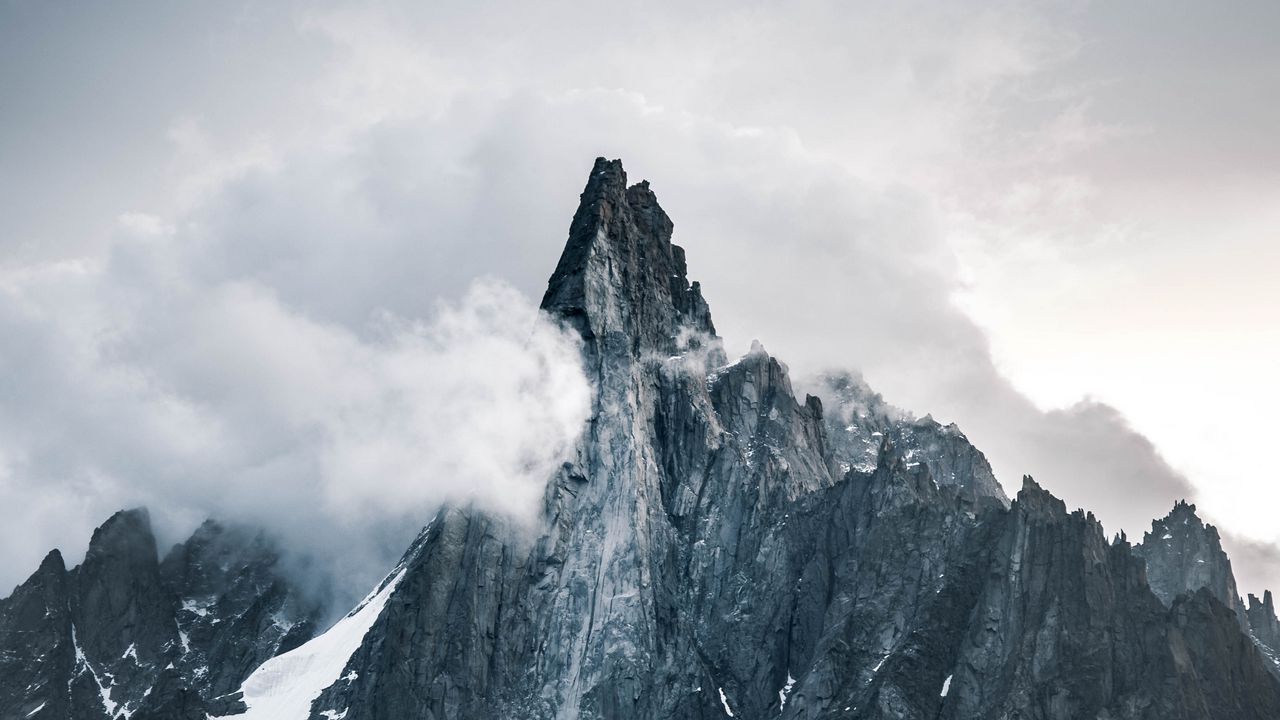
(620, 279)
(714, 546)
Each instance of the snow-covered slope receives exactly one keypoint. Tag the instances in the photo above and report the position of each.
(284, 687)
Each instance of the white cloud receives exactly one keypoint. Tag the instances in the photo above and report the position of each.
(139, 384)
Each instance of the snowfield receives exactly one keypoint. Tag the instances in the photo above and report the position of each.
(284, 687)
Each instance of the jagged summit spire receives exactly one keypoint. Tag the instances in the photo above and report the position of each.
(620, 280)
(1183, 554)
(125, 529)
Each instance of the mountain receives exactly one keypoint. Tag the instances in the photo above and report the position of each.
(126, 635)
(716, 545)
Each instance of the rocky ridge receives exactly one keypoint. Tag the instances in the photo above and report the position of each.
(124, 635)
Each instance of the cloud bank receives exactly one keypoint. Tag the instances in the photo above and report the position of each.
(139, 382)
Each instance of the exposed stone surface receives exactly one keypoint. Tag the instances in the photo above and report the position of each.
(120, 636)
(1067, 627)
(1183, 554)
(236, 609)
(1264, 626)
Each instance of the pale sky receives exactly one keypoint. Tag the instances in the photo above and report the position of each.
(1057, 224)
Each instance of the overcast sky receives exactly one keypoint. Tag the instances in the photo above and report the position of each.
(234, 234)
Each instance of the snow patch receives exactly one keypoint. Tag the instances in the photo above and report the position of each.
(785, 691)
(38, 709)
(195, 608)
(83, 663)
(946, 687)
(284, 687)
(725, 702)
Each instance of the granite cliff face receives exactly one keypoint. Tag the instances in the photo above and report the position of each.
(716, 546)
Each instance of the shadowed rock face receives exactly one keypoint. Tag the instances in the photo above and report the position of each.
(122, 635)
(236, 608)
(717, 546)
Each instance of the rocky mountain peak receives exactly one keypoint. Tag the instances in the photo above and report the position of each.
(52, 564)
(1184, 554)
(128, 532)
(123, 636)
(122, 612)
(620, 281)
(1036, 501)
(1265, 626)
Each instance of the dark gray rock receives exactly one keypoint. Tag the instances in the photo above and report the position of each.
(36, 653)
(1067, 628)
(1183, 554)
(120, 636)
(236, 609)
(1264, 626)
